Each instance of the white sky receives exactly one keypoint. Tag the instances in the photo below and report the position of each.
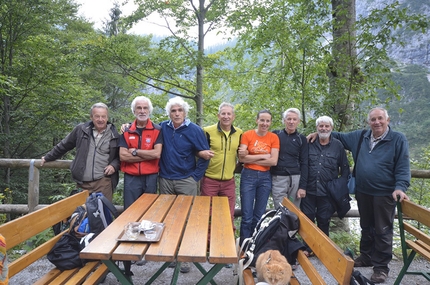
(97, 11)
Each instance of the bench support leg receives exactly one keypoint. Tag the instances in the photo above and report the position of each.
(119, 274)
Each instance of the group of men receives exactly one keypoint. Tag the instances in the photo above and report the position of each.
(174, 156)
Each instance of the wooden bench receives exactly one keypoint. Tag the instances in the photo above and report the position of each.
(21, 229)
(339, 265)
(417, 241)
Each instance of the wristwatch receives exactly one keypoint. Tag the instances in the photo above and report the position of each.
(134, 153)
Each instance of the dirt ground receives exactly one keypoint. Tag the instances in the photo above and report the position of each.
(224, 277)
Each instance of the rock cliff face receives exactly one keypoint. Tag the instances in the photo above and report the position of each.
(416, 48)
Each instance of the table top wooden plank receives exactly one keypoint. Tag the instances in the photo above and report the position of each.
(222, 244)
(194, 243)
(156, 213)
(104, 244)
(166, 249)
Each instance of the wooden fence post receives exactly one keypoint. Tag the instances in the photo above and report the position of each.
(33, 187)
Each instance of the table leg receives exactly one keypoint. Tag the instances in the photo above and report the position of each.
(159, 271)
(203, 271)
(119, 274)
(176, 273)
(208, 277)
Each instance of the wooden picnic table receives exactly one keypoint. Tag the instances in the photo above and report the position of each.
(188, 223)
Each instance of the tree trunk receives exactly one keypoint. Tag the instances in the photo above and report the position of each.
(200, 69)
(343, 70)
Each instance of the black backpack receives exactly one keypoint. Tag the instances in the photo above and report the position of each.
(65, 253)
(93, 216)
(275, 230)
(86, 222)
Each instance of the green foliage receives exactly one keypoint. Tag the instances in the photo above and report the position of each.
(409, 113)
(30, 244)
(418, 191)
(283, 53)
(347, 240)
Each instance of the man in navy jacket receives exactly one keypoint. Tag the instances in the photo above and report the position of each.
(180, 167)
(382, 174)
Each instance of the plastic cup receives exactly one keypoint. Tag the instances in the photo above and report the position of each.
(150, 234)
(131, 231)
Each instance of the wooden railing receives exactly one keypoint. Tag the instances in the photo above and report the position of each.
(34, 168)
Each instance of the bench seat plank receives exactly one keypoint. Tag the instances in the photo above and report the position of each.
(248, 278)
(310, 270)
(83, 273)
(133, 251)
(165, 249)
(420, 247)
(333, 258)
(416, 232)
(221, 251)
(195, 240)
(48, 277)
(97, 276)
(64, 276)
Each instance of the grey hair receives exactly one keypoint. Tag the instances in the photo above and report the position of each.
(378, 108)
(141, 98)
(292, 110)
(177, 101)
(325, 119)
(98, 105)
(225, 104)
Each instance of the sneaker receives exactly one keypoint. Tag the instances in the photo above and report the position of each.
(362, 262)
(185, 267)
(379, 277)
(141, 262)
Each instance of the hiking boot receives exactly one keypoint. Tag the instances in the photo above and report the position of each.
(185, 267)
(378, 277)
(362, 262)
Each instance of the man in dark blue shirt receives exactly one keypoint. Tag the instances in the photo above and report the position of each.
(327, 161)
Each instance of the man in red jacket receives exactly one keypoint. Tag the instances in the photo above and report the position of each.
(140, 149)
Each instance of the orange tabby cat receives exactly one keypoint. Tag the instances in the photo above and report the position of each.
(273, 268)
